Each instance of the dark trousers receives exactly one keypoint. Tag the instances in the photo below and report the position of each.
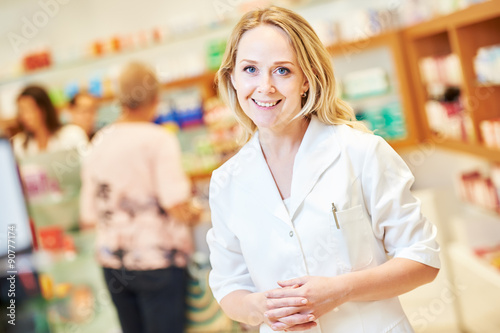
(149, 301)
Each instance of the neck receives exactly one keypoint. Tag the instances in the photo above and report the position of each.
(41, 135)
(135, 116)
(41, 132)
(285, 142)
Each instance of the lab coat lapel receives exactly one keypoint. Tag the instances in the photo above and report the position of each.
(318, 150)
(256, 178)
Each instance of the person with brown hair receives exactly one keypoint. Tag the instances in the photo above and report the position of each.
(314, 225)
(136, 194)
(41, 130)
(83, 110)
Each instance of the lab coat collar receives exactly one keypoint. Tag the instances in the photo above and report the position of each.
(317, 151)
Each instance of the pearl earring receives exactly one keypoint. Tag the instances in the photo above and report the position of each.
(304, 94)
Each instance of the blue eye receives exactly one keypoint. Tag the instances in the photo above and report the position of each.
(282, 71)
(250, 69)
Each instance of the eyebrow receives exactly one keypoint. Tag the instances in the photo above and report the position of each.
(276, 62)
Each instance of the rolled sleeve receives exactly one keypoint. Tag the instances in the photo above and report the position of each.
(396, 214)
(229, 270)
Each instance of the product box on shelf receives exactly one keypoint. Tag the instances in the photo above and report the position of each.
(481, 189)
(386, 120)
(184, 107)
(487, 65)
(365, 83)
(490, 131)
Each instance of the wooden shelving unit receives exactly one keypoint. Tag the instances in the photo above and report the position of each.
(394, 42)
(472, 149)
(461, 33)
(205, 81)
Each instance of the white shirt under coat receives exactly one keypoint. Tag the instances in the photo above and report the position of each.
(67, 137)
(256, 242)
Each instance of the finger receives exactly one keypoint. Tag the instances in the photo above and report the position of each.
(287, 283)
(295, 286)
(297, 319)
(283, 292)
(274, 303)
(292, 287)
(301, 327)
(278, 314)
(278, 326)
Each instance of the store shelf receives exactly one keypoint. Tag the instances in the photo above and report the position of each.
(470, 15)
(461, 255)
(472, 149)
(189, 81)
(205, 80)
(488, 85)
(351, 47)
(105, 59)
(481, 210)
(461, 33)
(200, 175)
(403, 144)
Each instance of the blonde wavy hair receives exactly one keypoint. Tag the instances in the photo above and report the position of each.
(314, 61)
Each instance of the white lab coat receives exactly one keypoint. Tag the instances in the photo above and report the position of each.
(255, 241)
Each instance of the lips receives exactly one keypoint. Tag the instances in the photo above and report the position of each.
(266, 104)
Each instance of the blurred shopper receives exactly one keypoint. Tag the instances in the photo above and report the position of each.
(136, 194)
(9, 127)
(41, 130)
(83, 110)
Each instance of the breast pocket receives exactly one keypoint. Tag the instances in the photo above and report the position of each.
(352, 239)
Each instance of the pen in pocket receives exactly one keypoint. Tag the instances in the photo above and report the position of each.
(334, 211)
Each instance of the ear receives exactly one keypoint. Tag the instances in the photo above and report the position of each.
(305, 85)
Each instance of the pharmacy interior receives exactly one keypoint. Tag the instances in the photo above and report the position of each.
(424, 75)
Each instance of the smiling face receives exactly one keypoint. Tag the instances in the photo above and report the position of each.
(267, 78)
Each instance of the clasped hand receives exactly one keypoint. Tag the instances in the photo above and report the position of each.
(299, 302)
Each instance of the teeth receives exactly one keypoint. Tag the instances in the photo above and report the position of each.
(266, 104)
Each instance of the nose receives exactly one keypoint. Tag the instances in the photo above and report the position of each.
(266, 85)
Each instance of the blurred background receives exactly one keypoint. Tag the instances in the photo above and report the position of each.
(424, 74)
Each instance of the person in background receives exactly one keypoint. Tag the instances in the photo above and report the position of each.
(136, 194)
(41, 130)
(314, 225)
(9, 127)
(83, 110)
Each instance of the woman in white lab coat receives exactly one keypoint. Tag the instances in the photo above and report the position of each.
(314, 225)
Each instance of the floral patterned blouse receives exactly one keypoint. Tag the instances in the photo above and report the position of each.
(131, 175)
